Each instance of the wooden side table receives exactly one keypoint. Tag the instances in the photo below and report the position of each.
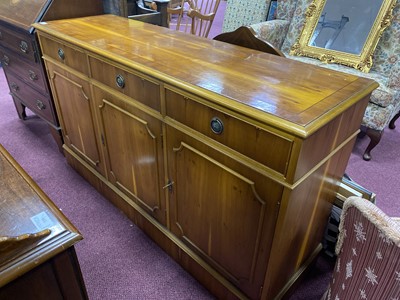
(37, 256)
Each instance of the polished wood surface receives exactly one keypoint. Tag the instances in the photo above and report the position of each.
(293, 94)
(139, 170)
(76, 116)
(34, 235)
(22, 14)
(228, 157)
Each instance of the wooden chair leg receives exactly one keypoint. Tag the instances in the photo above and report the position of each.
(392, 121)
(375, 137)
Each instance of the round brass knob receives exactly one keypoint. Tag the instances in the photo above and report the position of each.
(217, 126)
(61, 53)
(120, 81)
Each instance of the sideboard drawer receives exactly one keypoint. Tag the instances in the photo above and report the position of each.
(263, 146)
(30, 72)
(37, 102)
(133, 85)
(20, 43)
(70, 56)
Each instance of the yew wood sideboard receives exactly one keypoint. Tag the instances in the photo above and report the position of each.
(20, 53)
(229, 158)
(37, 254)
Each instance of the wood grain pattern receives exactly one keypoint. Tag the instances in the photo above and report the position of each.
(12, 245)
(78, 129)
(263, 83)
(138, 170)
(144, 90)
(228, 157)
(25, 12)
(25, 210)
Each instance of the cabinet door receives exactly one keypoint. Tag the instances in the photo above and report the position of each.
(222, 209)
(74, 105)
(133, 147)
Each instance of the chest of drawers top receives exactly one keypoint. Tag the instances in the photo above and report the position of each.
(17, 17)
(22, 13)
(291, 95)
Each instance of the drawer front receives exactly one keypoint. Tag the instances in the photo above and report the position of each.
(30, 72)
(69, 56)
(35, 101)
(132, 85)
(264, 147)
(22, 44)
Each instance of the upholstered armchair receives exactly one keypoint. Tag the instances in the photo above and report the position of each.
(368, 252)
(385, 101)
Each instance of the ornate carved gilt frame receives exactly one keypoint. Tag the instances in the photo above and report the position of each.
(363, 61)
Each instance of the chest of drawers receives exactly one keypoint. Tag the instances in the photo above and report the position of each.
(229, 158)
(20, 54)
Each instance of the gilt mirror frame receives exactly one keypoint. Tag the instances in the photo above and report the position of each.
(362, 61)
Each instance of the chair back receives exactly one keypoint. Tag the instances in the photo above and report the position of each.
(196, 16)
(246, 37)
(175, 12)
(368, 249)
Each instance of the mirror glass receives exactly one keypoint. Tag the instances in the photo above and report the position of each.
(344, 31)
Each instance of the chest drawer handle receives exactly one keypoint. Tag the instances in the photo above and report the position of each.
(14, 87)
(61, 53)
(23, 46)
(5, 60)
(32, 75)
(120, 81)
(217, 126)
(40, 105)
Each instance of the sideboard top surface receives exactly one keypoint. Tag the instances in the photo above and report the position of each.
(288, 91)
